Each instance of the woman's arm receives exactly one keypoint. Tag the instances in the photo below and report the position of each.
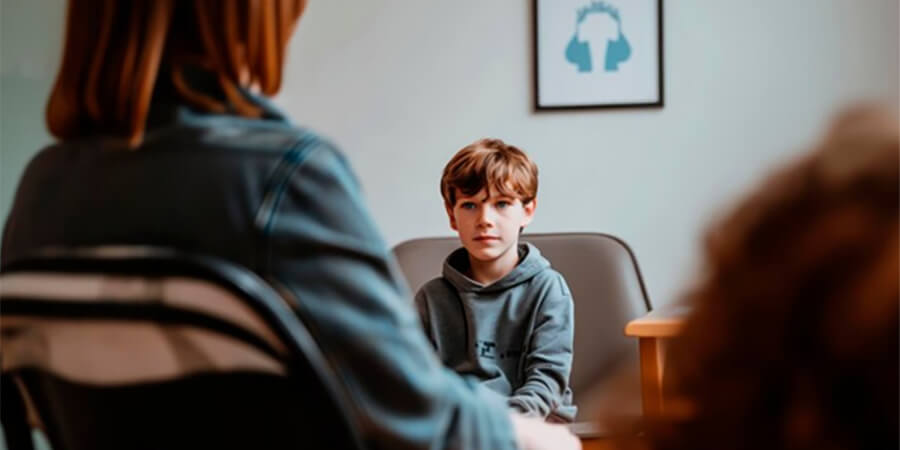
(322, 245)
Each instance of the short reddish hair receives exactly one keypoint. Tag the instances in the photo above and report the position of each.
(491, 164)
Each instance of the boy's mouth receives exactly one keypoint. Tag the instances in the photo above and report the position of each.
(486, 238)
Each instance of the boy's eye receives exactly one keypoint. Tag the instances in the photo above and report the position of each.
(467, 205)
(502, 204)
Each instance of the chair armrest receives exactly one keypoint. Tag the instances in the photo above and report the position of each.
(665, 321)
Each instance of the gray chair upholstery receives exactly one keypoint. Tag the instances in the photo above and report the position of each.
(607, 290)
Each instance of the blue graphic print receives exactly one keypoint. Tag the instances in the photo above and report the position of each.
(578, 52)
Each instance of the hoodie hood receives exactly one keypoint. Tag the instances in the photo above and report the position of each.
(530, 264)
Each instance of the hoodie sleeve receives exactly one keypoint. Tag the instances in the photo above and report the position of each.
(548, 361)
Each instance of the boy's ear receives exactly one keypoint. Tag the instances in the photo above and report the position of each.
(529, 211)
(450, 215)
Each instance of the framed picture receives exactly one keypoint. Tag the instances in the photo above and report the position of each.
(598, 54)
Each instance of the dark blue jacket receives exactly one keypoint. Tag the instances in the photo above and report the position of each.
(282, 201)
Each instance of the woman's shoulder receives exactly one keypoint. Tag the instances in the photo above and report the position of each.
(264, 137)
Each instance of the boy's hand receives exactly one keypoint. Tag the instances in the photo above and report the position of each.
(535, 434)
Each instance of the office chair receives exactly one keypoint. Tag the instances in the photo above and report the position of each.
(608, 292)
(147, 348)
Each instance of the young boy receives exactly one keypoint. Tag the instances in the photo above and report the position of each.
(499, 312)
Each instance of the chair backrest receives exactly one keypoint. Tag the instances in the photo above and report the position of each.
(607, 289)
(146, 348)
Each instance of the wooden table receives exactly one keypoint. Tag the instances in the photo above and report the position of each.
(597, 444)
(594, 435)
(653, 331)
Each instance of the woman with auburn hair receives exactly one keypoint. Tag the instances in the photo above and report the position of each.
(166, 138)
(793, 342)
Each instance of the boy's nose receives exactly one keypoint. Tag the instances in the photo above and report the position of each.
(486, 218)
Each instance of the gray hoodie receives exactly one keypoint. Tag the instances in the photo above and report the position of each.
(515, 335)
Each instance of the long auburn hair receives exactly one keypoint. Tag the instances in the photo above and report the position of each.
(793, 342)
(115, 50)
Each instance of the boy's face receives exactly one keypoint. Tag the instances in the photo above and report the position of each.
(488, 224)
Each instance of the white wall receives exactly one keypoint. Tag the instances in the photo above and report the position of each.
(402, 84)
(30, 43)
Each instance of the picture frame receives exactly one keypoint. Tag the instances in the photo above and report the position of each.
(591, 54)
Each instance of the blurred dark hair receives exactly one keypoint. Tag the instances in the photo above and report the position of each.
(793, 341)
